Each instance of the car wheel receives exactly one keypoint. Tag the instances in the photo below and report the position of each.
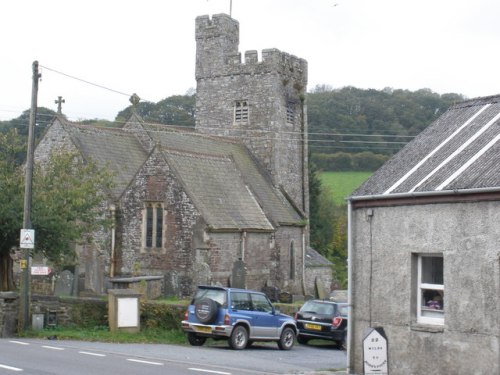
(196, 340)
(287, 339)
(239, 338)
(302, 340)
(206, 310)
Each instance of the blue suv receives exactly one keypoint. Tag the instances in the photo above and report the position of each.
(239, 316)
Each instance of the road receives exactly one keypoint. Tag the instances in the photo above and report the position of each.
(35, 356)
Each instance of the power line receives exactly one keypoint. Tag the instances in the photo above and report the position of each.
(85, 81)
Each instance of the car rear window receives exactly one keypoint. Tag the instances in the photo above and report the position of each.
(218, 295)
(343, 310)
(317, 307)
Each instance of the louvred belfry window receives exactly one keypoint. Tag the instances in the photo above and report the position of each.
(241, 111)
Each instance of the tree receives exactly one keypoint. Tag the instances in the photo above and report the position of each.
(11, 202)
(68, 204)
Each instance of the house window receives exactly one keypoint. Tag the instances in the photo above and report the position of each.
(241, 111)
(292, 261)
(430, 293)
(153, 225)
(290, 112)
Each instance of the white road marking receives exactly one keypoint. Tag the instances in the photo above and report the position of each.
(52, 347)
(11, 368)
(145, 362)
(19, 342)
(94, 354)
(209, 371)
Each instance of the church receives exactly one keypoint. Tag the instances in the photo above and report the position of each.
(223, 204)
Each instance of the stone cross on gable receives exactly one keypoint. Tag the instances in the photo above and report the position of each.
(59, 103)
(134, 99)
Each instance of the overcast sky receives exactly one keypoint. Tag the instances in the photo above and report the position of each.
(148, 47)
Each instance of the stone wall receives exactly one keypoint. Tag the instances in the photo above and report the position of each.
(155, 182)
(271, 87)
(71, 311)
(385, 243)
(9, 311)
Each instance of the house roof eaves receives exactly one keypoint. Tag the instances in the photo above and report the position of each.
(424, 197)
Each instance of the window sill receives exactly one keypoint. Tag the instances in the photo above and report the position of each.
(422, 327)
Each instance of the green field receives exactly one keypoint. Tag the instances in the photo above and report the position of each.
(342, 184)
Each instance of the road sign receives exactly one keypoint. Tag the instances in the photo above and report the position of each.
(40, 270)
(375, 352)
(27, 239)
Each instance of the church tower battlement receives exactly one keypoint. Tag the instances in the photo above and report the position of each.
(260, 102)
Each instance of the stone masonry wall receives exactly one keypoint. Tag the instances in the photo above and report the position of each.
(155, 183)
(270, 87)
(385, 245)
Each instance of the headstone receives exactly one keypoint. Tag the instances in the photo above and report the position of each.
(239, 274)
(171, 284)
(286, 297)
(64, 284)
(271, 292)
(201, 274)
(375, 352)
(320, 288)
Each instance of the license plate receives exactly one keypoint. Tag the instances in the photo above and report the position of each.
(203, 329)
(314, 327)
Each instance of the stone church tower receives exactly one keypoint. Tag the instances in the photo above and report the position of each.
(261, 102)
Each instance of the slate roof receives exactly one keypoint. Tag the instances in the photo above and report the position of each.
(217, 188)
(115, 149)
(276, 207)
(315, 259)
(460, 150)
(220, 175)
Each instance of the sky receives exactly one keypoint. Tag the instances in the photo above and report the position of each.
(96, 53)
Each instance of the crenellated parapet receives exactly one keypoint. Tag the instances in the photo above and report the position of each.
(217, 53)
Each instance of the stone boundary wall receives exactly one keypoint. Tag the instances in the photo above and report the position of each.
(9, 310)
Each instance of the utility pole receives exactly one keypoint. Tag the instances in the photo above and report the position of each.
(25, 282)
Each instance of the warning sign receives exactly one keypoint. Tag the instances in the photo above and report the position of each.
(27, 239)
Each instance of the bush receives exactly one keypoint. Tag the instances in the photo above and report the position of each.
(161, 315)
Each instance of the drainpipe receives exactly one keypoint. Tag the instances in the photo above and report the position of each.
(304, 291)
(112, 208)
(349, 286)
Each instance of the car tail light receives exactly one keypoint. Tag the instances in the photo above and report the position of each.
(337, 321)
(186, 314)
(227, 319)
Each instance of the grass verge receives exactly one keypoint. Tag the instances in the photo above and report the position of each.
(103, 334)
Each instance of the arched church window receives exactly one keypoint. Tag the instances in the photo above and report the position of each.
(153, 225)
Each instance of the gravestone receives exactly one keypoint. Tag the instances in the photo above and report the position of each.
(271, 292)
(320, 289)
(239, 274)
(286, 297)
(64, 284)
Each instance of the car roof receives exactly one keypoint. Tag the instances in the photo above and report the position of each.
(228, 289)
(326, 301)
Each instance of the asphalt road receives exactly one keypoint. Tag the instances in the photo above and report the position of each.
(34, 356)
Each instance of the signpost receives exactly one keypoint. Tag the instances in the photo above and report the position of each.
(40, 270)
(375, 352)
(27, 239)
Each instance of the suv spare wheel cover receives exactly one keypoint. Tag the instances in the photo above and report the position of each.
(205, 310)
